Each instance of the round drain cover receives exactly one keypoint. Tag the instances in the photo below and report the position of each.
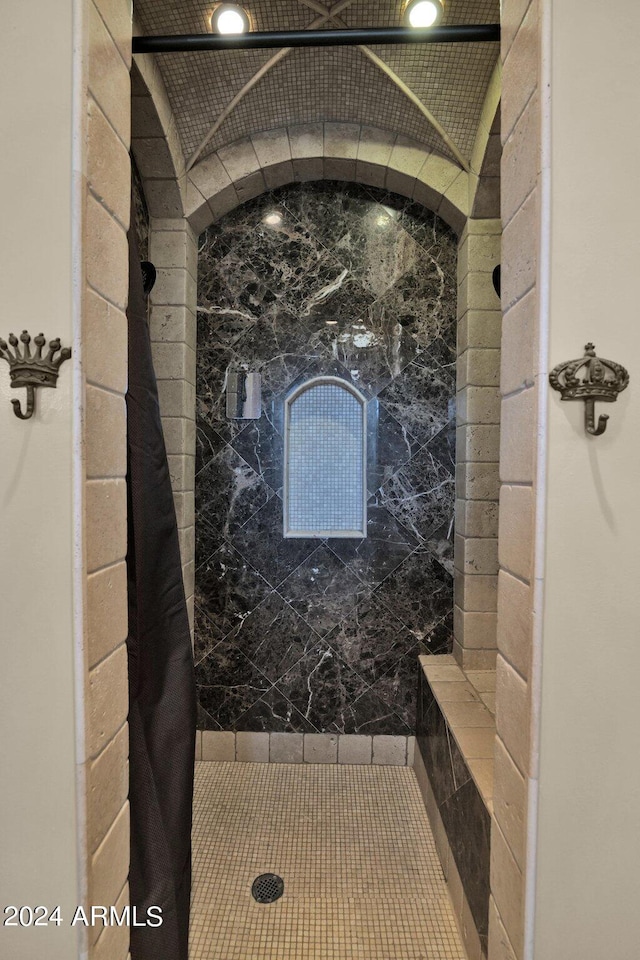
(267, 887)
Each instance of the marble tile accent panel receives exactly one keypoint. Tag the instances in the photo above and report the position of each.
(272, 712)
(331, 696)
(305, 281)
(206, 635)
(228, 683)
(398, 686)
(418, 593)
(262, 447)
(260, 540)
(322, 590)
(421, 495)
(229, 492)
(420, 400)
(375, 348)
(389, 445)
(371, 639)
(273, 637)
(228, 588)
(384, 548)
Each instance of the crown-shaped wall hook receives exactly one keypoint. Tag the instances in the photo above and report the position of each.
(30, 369)
(601, 380)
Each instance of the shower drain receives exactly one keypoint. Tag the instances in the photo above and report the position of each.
(267, 887)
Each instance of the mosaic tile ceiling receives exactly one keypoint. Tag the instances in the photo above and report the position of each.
(431, 93)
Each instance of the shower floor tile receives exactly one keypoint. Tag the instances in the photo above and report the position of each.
(353, 846)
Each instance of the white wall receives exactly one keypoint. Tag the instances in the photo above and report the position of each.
(37, 723)
(588, 849)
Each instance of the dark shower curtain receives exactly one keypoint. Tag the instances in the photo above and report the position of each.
(162, 702)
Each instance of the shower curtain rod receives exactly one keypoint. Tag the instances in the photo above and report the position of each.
(478, 33)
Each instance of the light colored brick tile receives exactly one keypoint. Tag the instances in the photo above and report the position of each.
(520, 70)
(479, 368)
(286, 747)
(515, 604)
(476, 555)
(107, 620)
(461, 714)
(519, 325)
(107, 787)
(354, 748)
(521, 160)
(105, 433)
(109, 866)
(512, 713)
(107, 700)
(499, 944)
(475, 630)
(173, 324)
(252, 747)
(106, 522)
(108, 165)
(117, 17)
(239, 159)
(477, 481)
(476, 592)
(478, 405)
(518, 437)
(520, 252)
(478, 443)
(105, 343)
(389, 751)
(109, 80)
(507, 888)
(341, 140)
(306, 140)
(320, 748)
(177, 398)
(106, 254)
(510, 802)
(218, 745)
(272, 147)
(113, 941)
(516, 530)
(479, 328)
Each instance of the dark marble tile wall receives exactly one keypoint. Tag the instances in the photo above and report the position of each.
(308, 635)
(464, 814)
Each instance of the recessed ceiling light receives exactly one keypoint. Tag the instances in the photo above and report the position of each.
(273, 219)
(424, 13)
(229, 18)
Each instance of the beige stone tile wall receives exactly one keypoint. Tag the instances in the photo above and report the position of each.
(396, 751)
(329, 151)
(521, 138)
(104, 333)
(477, 446)
(172, 320)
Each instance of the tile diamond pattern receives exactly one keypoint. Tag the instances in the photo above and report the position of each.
(299, 634)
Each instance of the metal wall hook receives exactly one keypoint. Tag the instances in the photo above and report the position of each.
(31, 404)
(30, 369)
(603, 380)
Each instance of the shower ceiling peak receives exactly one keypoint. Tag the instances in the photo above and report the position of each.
(430, 94)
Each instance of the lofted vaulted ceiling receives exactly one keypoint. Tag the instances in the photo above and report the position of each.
(431, 93)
